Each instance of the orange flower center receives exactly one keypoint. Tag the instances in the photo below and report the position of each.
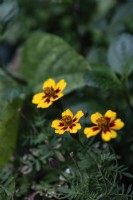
(103, 123)
(49, 92)
(67, 120)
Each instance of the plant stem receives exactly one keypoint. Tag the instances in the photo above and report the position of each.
(76, 164)
(116, 172)
(76, 137)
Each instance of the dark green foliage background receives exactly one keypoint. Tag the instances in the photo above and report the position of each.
(90, 45)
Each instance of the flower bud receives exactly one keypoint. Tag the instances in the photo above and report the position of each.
(53, 162)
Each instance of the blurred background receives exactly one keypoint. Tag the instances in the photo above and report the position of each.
(89, 26)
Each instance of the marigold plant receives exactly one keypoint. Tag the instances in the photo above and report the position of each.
(52, 91)
(68, 122)
(61, 63)
(107, 124)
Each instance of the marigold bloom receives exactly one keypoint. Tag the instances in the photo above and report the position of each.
(52, 91)
(68, 122)
(107, 124)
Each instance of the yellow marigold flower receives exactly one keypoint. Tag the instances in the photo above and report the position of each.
(107, 124)
(52, 91)
(68, 122)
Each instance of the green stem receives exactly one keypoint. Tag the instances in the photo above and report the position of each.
(13, 196)
(76, 164)
(116, 172)
(76, 137)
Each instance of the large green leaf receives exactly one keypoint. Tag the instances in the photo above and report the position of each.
(8, 9)
(46, 55)
(102, 77)
(9, 104)
(120, 55)
(123, 13)
(8, 129)
(8, 88)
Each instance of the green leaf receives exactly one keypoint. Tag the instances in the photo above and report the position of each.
(127, 174)
(97, 55)
(8, 88)
(122, 13)
(8, 9)
(104, 6)
(60, 156)
(102, 77)
(8, 129)
(45, 56)
(120, 55)
(54, 58)
(7, 187)
(9, 104)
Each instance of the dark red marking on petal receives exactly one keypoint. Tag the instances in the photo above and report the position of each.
(72, 126)
(105, 131)
(57, 90)
(75, 119)
(61, 124)
(43, 97)
(55, 96)
(47, 100)
(108, 118)
(112, 124)
(64, 128)
(95, 128)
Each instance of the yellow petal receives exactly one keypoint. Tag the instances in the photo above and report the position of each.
(37, 98)
(56, 98)
(67, 112)
(95, 117)
(113, 134)
(44, 103)
(61, 85)
(56, 124)
(74, 128)
(106, 136)
(59, 131)
(78, 115)
(91, 131)
(117, 124)
(49, 83)
(111, 115)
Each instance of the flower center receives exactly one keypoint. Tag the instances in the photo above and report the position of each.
(103, 123)
(67, 120)
(49, 92)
